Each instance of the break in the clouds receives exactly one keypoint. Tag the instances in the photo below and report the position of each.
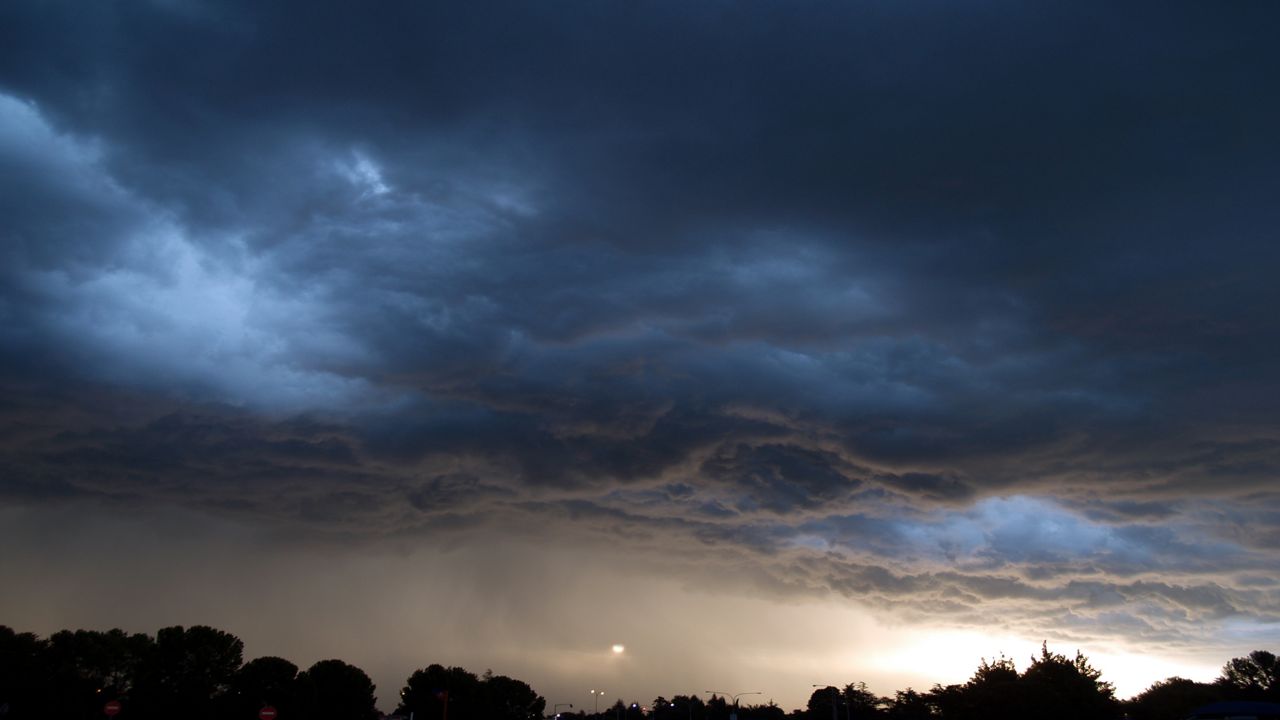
(951, 312)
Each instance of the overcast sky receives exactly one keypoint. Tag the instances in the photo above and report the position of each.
(784, 343)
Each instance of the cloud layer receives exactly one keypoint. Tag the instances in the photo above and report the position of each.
(951, 312)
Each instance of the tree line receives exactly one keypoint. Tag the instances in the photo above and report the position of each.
(196, 672)
(1052, 687)
(199, 673)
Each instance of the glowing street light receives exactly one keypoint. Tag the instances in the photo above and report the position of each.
(556, 710)
(596, 700)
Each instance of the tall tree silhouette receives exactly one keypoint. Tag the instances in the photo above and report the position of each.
(859, 702)
(1255, 677)
(687, 707)
(823, 703)
(265, 681)
(717, 708)
(909, 705)
(334, 690)
(851, 702)
(25, 679)
(767, 711)
(1053, 687)
(1067, 688)
(1172, 699)
(186, 673)
(87, 667)
(505, 698)
(427, 690)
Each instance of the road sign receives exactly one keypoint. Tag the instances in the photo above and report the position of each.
(112, 708)
(267, 713)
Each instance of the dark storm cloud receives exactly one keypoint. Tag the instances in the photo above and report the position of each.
(790, 282)
(781, 478)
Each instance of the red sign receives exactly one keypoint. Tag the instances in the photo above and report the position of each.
(267, 713)
(112, 708)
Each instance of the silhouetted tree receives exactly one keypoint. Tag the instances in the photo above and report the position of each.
(860, 702)
(768, 711)
(995, 672)
(993, 693)
(24, 676)
(264, 681)
(504, 698)
(1067, 688)
(909, 705)
(86, 668)
(687, 707)
(824, 703)
(948, 701)
(1256, 677)
(1172, 699)
(185, 673)
(427, 690)
(334, 690)
(1053, 687)
(851, 702)
(717, 708)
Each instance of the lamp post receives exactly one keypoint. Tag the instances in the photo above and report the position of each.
(735, 698)
(595, 705)
(835, 695)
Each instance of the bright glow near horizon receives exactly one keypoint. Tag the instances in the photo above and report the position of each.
(682, 638)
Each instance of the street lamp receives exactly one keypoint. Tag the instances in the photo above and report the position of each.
(735, 698)
(835, 695)
(596, 701)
